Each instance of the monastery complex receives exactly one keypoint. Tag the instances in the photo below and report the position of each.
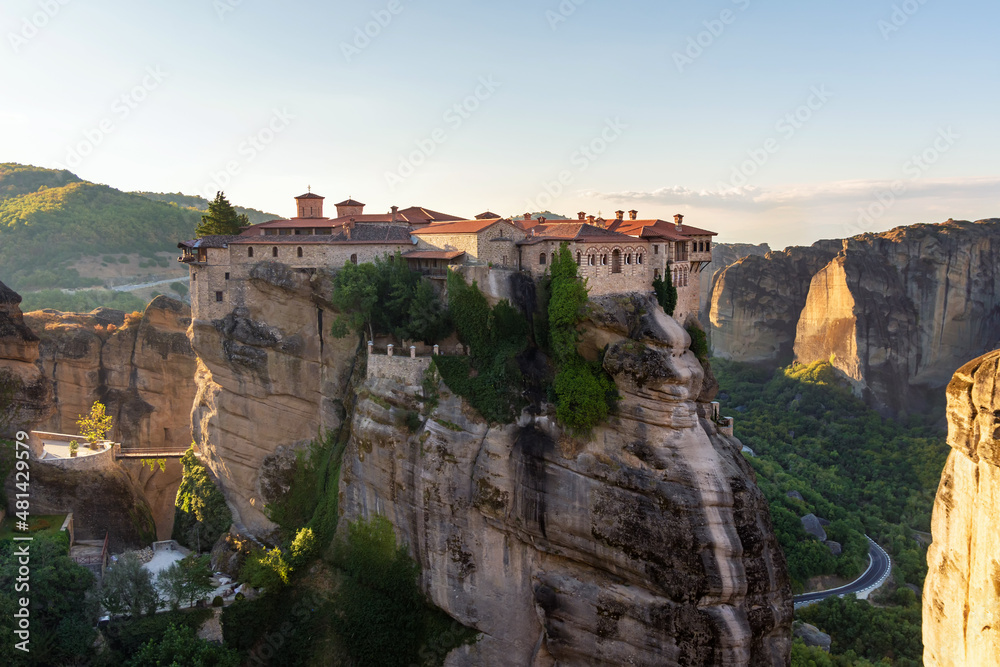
(614, 256)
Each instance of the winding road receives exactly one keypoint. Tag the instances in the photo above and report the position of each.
(879, 566)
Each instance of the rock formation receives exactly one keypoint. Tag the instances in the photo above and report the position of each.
(270, 377)
(961, 601)
(723, 254)
(896, 312)
(144, 373)
(647, 543)
(23, 389)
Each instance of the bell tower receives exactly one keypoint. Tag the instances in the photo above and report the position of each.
(309, 205)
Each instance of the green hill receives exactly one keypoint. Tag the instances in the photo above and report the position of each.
(201, 204)
(59, 231)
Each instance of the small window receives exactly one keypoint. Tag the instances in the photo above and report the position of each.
(590, 260)
(250, 251)
(638, 258)
(541, 258)
(656, 249)
(274, 251)
(218, 296)
(579, 258)
(194, 277)
(628, 258)
(227, 275)
(708, 246)
(298, 252)
(354, 259)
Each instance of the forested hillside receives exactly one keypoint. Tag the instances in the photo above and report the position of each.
(58, 231)
(201, 204)
(819, 450)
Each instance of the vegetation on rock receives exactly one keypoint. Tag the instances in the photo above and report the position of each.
(127, 588)
(96, 424)
(187, 580)
(181, 646)
(201, 514)
(83, 301)
(666, 293)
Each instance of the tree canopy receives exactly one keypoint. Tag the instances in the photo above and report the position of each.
(221, 219)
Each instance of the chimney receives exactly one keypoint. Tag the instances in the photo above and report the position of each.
(541, 220)
(678, 220)
(633, 214)
(582, 215)
(395, 210)
(590, 219)
(527, 216)
(619, 215)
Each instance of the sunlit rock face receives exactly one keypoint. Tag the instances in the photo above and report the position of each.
(143, 372)
(896, 312)
(961, 601)
(646, 543)
(269, 378)
(723, 254)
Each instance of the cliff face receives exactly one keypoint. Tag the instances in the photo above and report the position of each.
(961, 601)
(723, 254)
(756, 302)
(23, 388)
(897, 312)
(269, 378)
(143, 373)
(647, 543)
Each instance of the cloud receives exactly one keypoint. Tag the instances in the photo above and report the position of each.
(848, 193)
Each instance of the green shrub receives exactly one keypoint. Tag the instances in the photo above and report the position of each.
(217, 601)
(666, 293)
(699, 342)
(201, 514)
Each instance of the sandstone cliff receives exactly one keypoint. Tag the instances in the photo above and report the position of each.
(269, 379)
(23, 388)
(143, 372)
(756, 302)
(723, 254)
(896, 312)
(961, 601)
(646, 544)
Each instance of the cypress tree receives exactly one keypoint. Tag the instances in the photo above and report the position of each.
(221, 219)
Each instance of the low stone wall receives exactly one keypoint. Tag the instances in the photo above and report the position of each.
(102, 460)
(403, 369)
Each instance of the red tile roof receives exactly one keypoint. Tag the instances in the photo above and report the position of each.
(310, 195)
(434, 254)
(350, 202)
(461, 227)
(417, 213)
(658, 228)
(573, 231)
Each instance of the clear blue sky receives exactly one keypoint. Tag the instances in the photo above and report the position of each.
(667, 135)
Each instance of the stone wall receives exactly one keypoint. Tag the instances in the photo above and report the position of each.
(400, 368)
(636, 274)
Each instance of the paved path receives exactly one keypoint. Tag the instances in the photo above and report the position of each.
(879, 566)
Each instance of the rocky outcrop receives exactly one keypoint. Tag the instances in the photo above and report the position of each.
(647, 543)
(961, 600)
(23, 388)
(896, 312)
(723, 254)
(756, 302)
(269, 378)
(143, 371)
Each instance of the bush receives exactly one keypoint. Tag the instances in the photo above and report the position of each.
(666, 293)
(180, 288)
(217, 601)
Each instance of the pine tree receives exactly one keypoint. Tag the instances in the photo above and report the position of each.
(666, 293)
(221, 219)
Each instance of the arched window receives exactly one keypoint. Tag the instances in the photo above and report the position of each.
(299, 252)
(541, 258)
(590, 260)
(604, 260)
(579, 258)
(638, 258)
(250, 251)
(354, 259)
(628, 258)
(274, 251)
(616, 261)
